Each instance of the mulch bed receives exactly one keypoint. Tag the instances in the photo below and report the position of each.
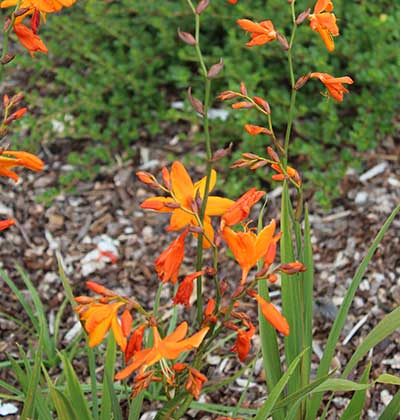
(107, 211)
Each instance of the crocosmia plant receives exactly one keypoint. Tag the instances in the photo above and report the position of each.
(165, 360)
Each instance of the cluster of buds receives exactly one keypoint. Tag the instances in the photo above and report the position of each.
(10, 115)
(253, 161)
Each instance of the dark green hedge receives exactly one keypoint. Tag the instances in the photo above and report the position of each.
(115, 67)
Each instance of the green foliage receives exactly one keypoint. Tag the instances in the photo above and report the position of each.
(115, 67)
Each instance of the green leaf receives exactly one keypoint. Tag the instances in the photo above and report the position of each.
(383, 329)
(273, 396)
(393, 409)
(343, 311)
(386, 378)
(354, 409)
(74, 390)
(135, 408)
(109, 403)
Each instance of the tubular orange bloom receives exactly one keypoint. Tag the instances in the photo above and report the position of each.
(273, 316)
(291, 172)
(126, 322)
(195, 382)
(4, 224)
(10, 159)
(232, 1)
(247, 247)
(254, 130)
(168, 348)
(243, 342)
(180, 204)
(135, 342)
(168, 263)
(240, 209)
(260, 33)
(29, 39)
(185, 289)
(324, 22)
(334, 84)
(99, 318)
(44, 6)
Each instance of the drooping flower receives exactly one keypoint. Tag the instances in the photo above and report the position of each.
(99, 318)
(324, 22)
(240, 209)
(183, 200)
(185, 289)
(9, 159)
(4, 224)
(260, 33)
(272, 315)
(168, 263)
(168, 348)
(247, 247)
(242, 345)
(334, 84)
(29, 39)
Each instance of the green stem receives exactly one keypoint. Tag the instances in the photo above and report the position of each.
(292, 83)
(5, 39)
(207, 138)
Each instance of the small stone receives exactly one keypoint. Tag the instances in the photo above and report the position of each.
(386, 397)
(364, 286)
(361, 198)
(148, 234)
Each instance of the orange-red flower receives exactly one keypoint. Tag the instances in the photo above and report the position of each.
(232, 1)
(240, 209)
(247, 247)
(9, 159)
(44, 6)
(135, 342)
(243, 342)
(185, 289)
(195, 382)
(168, 263)
(324, 22)
(168, 348)
(273, 316)
(260, 33)
(334, 84)
(29, 39)
(183, 200)
(99, 318)
(4, 224)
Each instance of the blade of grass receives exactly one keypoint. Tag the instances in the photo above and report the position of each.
(273, 396)
(290, 294)
(393, 408)
(343, 311)
(354, 409)
(269, 339)
(74, 390)
(383, 329)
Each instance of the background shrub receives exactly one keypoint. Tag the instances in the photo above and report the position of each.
(120, 65)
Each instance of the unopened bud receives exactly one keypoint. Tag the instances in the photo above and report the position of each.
(21, 11)
(302, 16)
(146, 177)
(301, 81)
(238, 291)
(203, 4)
(259, 164)
(226, 95)
(254, 130)
(215, 69)
(272, 154)
(187, 37)
(262, 103)
(196, 103)
(221, 153)
(7, 59)
(231, 325)
(99, 289)
(15, 115)
(252, 156)
(196, 229)
(243, 89)
(282, 40)
(241, 105)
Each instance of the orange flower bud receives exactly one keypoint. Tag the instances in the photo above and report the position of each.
(187, 38)
(256, 129)
(15, 115)
(210, 307)
(241, 105)
(262, 103)
(226, 95)
(272, 154)
(146, 178)
(273, 316)
(179, 367)
(166, 178)
(243, 89)
(126, 322)
(185, 289)
(292, 268)
(99, 289)
(4, 224)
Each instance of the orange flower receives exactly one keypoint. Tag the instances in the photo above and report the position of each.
(243, 342)
(240, 209)
(18, 159)
(44, 6)
(254, 130)
(291, 172)
(260, 33)
(195, 382)
(334, 84)
(185, 289)
(324, 22)
(232, 1)
(273, 316)
(4, 224)
(168, 263)
(163, 349)
(247, 247)
(135, 342)
(182, 200)
(29, 39)
(99, 318)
